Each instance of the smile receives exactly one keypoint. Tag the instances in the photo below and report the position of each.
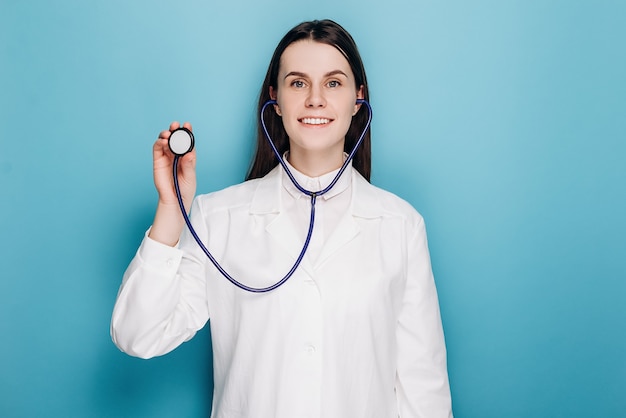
(315, 121)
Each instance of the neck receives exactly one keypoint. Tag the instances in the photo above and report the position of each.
(315, 164)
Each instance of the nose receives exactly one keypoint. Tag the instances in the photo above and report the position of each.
(316, 97)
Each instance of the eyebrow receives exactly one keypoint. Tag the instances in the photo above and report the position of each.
(328, 74)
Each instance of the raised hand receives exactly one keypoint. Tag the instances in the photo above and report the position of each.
(168, 221)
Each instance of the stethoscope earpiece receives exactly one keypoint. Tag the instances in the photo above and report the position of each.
(181, 141)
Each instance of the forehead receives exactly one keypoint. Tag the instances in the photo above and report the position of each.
(310, 57)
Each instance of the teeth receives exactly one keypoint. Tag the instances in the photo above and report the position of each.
(315, 121)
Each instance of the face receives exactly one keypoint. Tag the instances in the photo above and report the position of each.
(316, 98)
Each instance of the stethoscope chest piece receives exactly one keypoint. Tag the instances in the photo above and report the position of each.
(181, 141)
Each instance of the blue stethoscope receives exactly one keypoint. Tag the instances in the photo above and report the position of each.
(181, 141)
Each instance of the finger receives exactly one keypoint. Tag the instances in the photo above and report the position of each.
(164, 134)
(188, 161)
(174, 125)
(187, 125)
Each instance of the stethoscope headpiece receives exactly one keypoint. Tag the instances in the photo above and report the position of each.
(181, 141)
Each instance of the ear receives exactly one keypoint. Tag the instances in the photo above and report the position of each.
(274, 96)
(359, 96)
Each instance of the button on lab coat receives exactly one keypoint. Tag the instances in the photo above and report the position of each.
(356, 333)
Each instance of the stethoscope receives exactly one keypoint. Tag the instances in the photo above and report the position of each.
(181, 142)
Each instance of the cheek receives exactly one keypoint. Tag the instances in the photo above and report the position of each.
(286, 100)
(290, 124)
(348, 112)
(350, 104)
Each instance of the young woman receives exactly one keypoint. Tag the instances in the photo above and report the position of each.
(356, 331)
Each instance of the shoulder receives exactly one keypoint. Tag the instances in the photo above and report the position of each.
(376, 202)
(241, 195)
(237, 195)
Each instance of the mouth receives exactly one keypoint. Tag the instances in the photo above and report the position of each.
(315, 121)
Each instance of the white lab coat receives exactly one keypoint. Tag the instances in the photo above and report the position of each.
(357, 333)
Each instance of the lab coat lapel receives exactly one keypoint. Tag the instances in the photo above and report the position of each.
(283, 232)
(267, 201)
(346, 230)
(363, 206)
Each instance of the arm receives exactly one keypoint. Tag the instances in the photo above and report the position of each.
(161, 303)
(422, 387)
(162, 300)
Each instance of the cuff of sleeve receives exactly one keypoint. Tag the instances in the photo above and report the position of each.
(159, 257)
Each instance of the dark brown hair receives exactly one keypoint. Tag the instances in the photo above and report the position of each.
(330, 33)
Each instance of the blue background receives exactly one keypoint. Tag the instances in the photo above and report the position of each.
(503, 123)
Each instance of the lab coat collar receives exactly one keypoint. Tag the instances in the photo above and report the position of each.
(315, 183)
(267, 200)
(267, 197)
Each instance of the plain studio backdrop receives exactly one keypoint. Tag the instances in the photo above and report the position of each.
(502, 122)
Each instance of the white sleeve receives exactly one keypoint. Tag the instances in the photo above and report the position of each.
(162, 301)
(422, 386)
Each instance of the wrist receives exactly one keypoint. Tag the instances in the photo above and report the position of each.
(167, 225)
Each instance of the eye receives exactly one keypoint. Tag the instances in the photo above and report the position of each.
(334, 83)
(297, 84)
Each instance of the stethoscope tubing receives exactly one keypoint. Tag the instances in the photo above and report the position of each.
(218, 265)
(312, 194)
(345, 163)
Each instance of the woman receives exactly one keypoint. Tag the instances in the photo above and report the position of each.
(356, 331)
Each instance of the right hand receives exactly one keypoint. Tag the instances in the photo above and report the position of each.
(163, 164)
(168, 221)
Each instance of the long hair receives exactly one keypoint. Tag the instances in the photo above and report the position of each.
(330, 33)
